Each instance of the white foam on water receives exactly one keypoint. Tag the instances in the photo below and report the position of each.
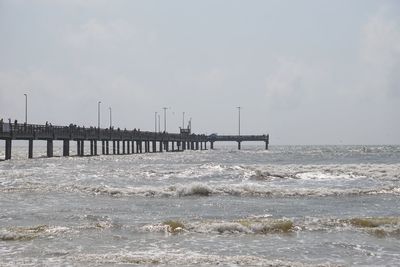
(18, 233)
(325, 172)
(188, 258)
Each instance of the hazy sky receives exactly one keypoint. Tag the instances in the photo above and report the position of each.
(307, 72)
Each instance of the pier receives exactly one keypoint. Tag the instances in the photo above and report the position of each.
(238, 138)
(112, 141)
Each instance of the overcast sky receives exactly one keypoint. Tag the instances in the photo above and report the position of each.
(307, 72)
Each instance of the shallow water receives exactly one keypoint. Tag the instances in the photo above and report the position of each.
(289, 206)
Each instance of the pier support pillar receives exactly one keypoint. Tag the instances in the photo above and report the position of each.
(8, 148)
(65, 147)
(78, 148)
(239, 145)
(137, 147)
(103, 147)
(173, 145)
(201, 145)
(178, 144)
(91, 148)
(123, 147)
(49, 148)
(161, 146)
(114, 150)
(118, 147)
(133, 146)
(183, 145)
(146, 146)
(197, 145)
(140, 146)
(166, 146)
(154, 145)
(107, 148)
(95, 147)
(212, 145)
(267, 142)
(30, 149)
(82, 148)
(128, 147)
(205, 145)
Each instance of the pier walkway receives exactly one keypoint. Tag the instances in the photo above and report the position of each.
(238, 138)
(122, 141)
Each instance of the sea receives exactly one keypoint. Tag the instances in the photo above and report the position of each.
(286, 206)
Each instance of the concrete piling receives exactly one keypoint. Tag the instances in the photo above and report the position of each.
(65, 147)
(8, 148)
(30, 149)
(49, 148)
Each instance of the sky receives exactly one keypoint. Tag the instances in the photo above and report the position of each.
(308, 72)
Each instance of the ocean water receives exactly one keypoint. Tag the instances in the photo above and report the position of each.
(288, 206)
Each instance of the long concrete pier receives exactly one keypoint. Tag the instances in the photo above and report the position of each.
(112, 141)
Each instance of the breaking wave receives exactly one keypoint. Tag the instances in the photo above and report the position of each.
(179, 258)
(239, 190)
(380, 227)
(325, 172)
(29, 233)
(247, 226)
(377, 226)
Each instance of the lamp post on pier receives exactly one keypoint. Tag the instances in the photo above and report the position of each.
(165, 118)
(155, 122)
(110, 117)
(98, 114)
(183, 120)
(239, 118)
(159, 123)
(26, 108)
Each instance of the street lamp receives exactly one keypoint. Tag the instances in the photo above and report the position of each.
(155, 122)
(239, 118)
(165, 118)
(26, 108)
(183, 120)
(98, 114)
(159, 123)
(110, 117)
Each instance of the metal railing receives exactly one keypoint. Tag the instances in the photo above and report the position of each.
(48, 131)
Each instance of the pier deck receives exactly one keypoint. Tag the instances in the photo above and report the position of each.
(123, 141)
(238, 138)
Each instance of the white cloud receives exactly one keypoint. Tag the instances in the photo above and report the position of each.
(380, 55)
(95, 33)
(291, 82)
(79, 3)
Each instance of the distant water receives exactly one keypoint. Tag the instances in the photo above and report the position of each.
(289, 206)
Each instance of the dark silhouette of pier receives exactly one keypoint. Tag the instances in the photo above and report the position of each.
(112, 141)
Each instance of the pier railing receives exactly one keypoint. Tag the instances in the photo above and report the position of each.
(73, 132)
